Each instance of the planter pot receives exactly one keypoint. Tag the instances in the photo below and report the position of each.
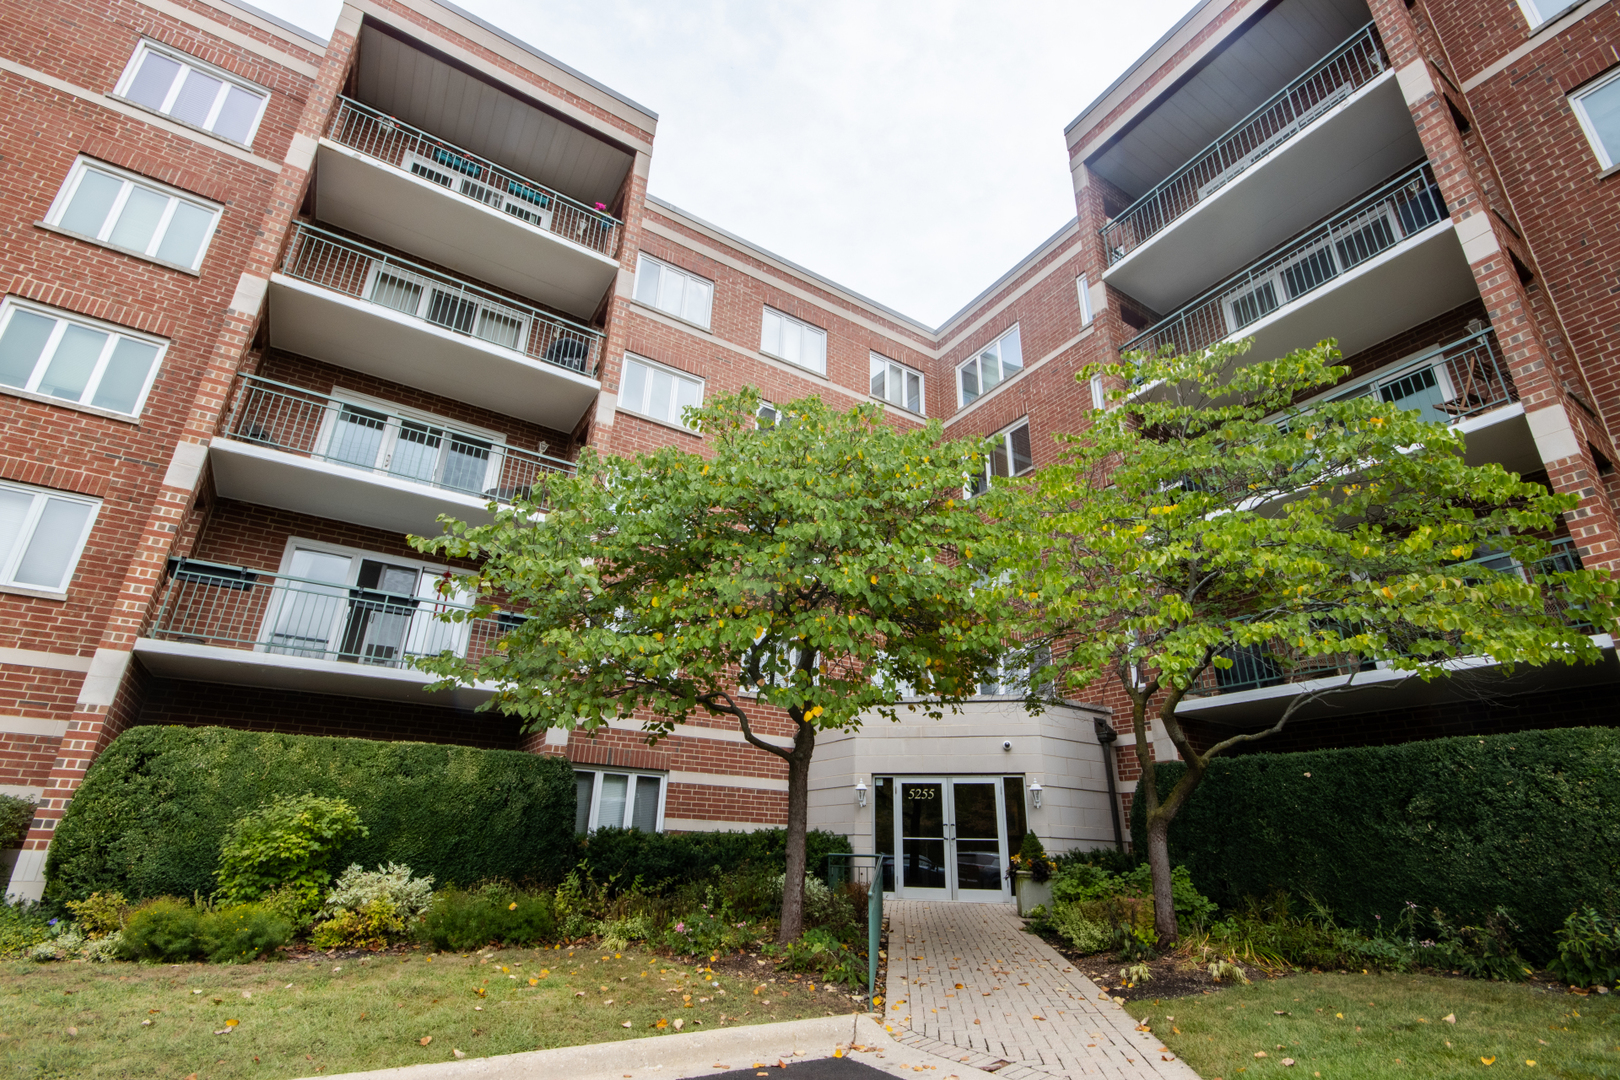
(1031, 893)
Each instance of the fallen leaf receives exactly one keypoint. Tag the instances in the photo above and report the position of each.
(146, 1023)
(1529, 1061)
(837, 1053)
(678, 1024)
(232, 1023)
(1259, 1053)
(1450, 1018)
(1487, 1061)
(662, 1023)
(1288, 1061)
(458, 1053)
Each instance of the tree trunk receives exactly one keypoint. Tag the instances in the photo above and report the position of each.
(1158, 853)
(798, 763)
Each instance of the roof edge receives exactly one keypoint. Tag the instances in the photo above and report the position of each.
(276, 20)
(1017, 268)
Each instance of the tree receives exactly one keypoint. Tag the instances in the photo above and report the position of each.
(822, 564)
(1207, 519)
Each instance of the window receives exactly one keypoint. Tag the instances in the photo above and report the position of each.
(896, 384)
(373, 434)
(1598, 110)
(42, 534)
(114, 208)
(1009, 455)
(1537, 12)
(75, 359)
(995, 364)
(1020, 672)
(674, 291)
(786, 338)
(193, 93)
(618, 800)
(656, 391)
(1099, 395)
(1083, 287)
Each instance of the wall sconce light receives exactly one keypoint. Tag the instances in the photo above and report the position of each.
(860, 793)
(1035, 793)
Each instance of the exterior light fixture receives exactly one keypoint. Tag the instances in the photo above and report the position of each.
(860, 793)
(1035, 793)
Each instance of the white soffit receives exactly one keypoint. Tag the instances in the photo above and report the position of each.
(445, 101)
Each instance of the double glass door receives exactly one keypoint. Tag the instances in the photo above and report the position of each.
(949, 835)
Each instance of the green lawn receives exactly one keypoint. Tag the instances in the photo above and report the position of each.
(297, 1018)
(1360, 1027)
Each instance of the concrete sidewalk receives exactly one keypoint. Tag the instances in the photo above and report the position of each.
(698, 1054)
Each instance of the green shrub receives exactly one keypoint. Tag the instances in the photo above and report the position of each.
(1110, 859)
(288, 843)
(242, 933)
(166, 930)
(663, 862)
(1087, 935)
(394, 884)
(154, 807)
(461, 919)
(23, 925)
(100, 914)
(16, 814)
(1588, 949)
(1466, 826)
(372, 925)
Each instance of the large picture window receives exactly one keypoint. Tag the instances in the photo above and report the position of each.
(42, 535)
(74, 359)
(123, 211)
(991, 366)
(193, 93)
(673, 290)
(1598, 109)
(897, 384)
(786, 338)
(658, 392)
(619, 800)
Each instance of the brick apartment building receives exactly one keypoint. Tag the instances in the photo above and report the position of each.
(272, 303)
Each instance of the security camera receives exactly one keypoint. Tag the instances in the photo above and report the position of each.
(1006, 744)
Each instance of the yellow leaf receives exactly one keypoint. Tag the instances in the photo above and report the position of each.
(534, 982)
(662, 1023)
(232, 1023)
(1529, 1061)
(1487, 1061)
(424, 1040)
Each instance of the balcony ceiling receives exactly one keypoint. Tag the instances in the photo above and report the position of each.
(1283, 44)
(422, 90)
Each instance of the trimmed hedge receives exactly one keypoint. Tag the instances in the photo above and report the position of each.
(154, 807)
(1524, 822)
(663, 861)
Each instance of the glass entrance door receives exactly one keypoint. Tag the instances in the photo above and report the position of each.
(951, 835)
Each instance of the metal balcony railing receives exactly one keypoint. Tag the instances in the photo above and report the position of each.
(378, 135)
(1333, 79)
(1378, 221)
(1276, 664)
(312, 425)
(1452, 382)
(263, 611)
(365, 273)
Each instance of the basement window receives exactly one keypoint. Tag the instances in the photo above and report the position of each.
(618, 800)
(198, 95)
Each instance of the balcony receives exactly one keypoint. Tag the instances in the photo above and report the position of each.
(380, 177)
(356, 460)
(242, 627)
(1336, 130)
(1381, 265)
(340, 301)
(1263, 679)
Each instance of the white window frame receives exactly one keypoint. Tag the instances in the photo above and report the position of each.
(1083, 288)
(807, 332)
(1099, 393)
(131, 181)
(148, 46)
(592, 822)
(424, 622)
(986, 480)
(895, 371)
(63, 320)
(1605, 154)
(391, 433)
(1533, 15)
(643, 407)
(973, 362)
(10, 560)
(649, 269)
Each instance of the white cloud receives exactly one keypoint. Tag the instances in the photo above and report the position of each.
(911, 150)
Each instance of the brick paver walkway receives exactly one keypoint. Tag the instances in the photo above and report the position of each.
(966, 982)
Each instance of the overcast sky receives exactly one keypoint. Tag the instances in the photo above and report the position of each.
(910, 150)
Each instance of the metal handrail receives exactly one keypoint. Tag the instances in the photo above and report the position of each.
(264, 611)
(1330, 81)
(1388, 215)
(1258, 666)
(366, 273)
(842, 867)
(377, 135)
(362, 435)
(1452, 382)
